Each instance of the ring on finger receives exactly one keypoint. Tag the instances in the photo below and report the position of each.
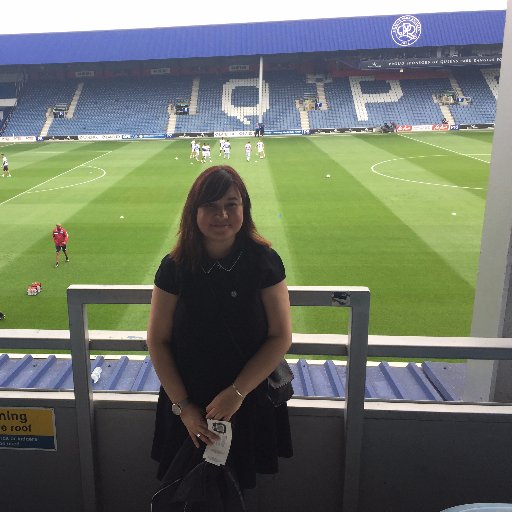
(198, 435)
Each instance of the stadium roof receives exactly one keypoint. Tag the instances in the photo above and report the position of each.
(264, 38)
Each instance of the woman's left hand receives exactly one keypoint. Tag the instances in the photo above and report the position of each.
(224, 405)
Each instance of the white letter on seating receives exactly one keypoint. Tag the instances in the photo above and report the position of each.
(491, 76)
(242, 112)
(361, 99)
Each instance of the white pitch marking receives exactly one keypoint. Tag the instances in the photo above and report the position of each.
(416, 181)
(50, 179)
(74, 184)
(48, 152)
(6, 145)
(445, 149)
(44, 152)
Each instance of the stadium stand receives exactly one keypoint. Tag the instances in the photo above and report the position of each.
(365, 101)
(482, 87)
(229, 102)
(34, 102)
(224, 103)
(123, 105)
(7, 90)
(286, 88)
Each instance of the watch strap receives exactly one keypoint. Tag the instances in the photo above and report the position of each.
(177, 407)
(184, 403)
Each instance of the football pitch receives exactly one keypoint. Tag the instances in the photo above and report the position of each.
(400, 214)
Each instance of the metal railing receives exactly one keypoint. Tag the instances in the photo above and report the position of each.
(357, 346)
(357, 299)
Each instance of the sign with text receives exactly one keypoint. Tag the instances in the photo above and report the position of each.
(234, 134)
(19, 138)
(425, 62)
(160, 71)
(239, 67)
(30, 428)
(81, 74)
(105, 136)
(404, 128)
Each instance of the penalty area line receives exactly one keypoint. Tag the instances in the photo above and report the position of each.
(444, 149)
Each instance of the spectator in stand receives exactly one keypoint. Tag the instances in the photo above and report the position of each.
(60, 239)
(444, 121)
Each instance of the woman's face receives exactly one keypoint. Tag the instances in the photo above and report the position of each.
(220, 221)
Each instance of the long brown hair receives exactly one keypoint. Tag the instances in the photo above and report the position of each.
(210, 186)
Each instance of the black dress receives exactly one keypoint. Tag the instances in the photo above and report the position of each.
(219, 323)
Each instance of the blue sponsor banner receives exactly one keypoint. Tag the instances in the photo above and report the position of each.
(283, 132)
(454, 127)
(151, 136)
(146, 136)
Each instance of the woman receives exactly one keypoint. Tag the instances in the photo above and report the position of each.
(219, 325)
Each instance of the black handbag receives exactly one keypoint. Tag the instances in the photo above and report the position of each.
(193, 485)
(278, 387)
(279, 384)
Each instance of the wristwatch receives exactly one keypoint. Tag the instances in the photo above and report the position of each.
(178, 407)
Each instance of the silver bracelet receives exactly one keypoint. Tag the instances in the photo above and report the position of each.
(237, 391)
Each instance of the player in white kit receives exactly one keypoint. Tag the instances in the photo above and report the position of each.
(227, 149)
(205, 152)
(261, 149)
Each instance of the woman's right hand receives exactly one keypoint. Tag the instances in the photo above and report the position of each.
(193, 417)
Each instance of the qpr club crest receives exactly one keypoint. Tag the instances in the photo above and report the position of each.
(406, 30)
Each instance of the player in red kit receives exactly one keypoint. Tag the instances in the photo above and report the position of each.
(60, 239)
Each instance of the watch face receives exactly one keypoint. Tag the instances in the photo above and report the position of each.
(176, 409)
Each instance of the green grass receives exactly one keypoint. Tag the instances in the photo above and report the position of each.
(383, 220)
